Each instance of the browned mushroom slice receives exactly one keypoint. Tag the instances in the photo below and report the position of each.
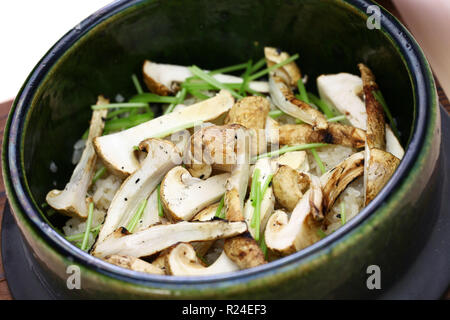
(337, 179)
(133, 263)
(244, 251)
(251, 112)
(289, 185)
(71, 200)
(290, 72)
(336, 133)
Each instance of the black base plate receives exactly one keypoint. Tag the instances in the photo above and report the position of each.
(427, 278)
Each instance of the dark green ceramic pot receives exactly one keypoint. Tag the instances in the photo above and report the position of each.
(99, 55)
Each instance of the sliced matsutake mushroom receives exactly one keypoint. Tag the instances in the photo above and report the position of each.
(164, 79)
(338, 178)
(162, 155)
(72, 200)
(281, 82)
(133, 263)
(214, 147)
(289, 185)
(150, 215)
(343, 92)
(183, 196)
(297, 160)
(336, 133)
(379, 165)
(207, 214)
(124, 163)
(266, 169)
(286, 235)
(290, 72)
(183, 261)
(157, 238)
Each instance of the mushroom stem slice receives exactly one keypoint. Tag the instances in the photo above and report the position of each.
(72, 200)
(133, 263)
(164, 79)
(244, 251)
(183, 261)
(287, 235)
(162, 155)
(375, 133)
(336, 133)
(157, 238)
(125, 162)
(380, 168)
(183, 196)
(338, 178)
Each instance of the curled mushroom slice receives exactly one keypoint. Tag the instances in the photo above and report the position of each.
(157, 238)
(124, 163)
(182, 195)
(289, 185)
(72, 200)
(286, 235)
(281, 82)
(379, 165)
(183, 261)
(164, 79)
(133, 263)
(343, 92)
(336, 133)
(266, 169)
(162, 155)
(338, 178)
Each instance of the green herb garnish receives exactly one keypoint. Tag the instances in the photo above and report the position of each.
(258, 65)
(337, 118)
(343, 218)
(379, 96)
(181, 95)
(211, 80)
(318, 160)
(219, 213)
(176, 129)
(275, 66)
(152, 98)
(119, 105)
(84, 244)
(80, 236)
(302, 91)
(289, 149)
(275, 114)
(254, 186)
(160, 206)
(245, 76)
(98, 174)
(137, 216)
(321, 234)
(229, 69)
(321, 104)
(136, 83)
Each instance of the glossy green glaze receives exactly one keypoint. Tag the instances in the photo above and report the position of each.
(330, 35)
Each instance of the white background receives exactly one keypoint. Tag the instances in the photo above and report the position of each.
(28, 28)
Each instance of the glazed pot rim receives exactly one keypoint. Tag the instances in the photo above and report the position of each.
(21, 200)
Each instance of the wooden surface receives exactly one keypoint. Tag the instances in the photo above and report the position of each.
(4, 109)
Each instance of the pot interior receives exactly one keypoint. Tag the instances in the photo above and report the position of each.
(330, 37)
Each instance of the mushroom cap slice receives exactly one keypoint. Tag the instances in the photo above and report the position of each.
(163, 79)
(72, 200)
(335, 133)
(289, 185)
(183, 196)
(343, 92)
(133, 263)
(379, 169)
(117, 152)
(157, 238)
(338, 178)
(183, 261)
(287, 235)
(162, 156)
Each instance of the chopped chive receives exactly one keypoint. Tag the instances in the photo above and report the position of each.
(254, 186)
(275, 66)
(321, 104)
(88, 226)
(152, 98)
(255, 93)
(125, 123)
(258, 65)
(136, 148)
(220, 207)
(245, 78)
(181, 95)
(119, 105)
(321, 234)
(298, 121)
(136, 83)
(263, 246)
(302, 91)
(343, 218)
(257, 211)
(206, 77)
(379, 96)
(199, 95)
(176, 129)
(160, 206)
(289, 149)
(318, 160)
(266, 184)
(275, 114)
(337, 118)
(117, 112)
(137, 216)
(79, 236)
(98, 174)
(228, 69)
